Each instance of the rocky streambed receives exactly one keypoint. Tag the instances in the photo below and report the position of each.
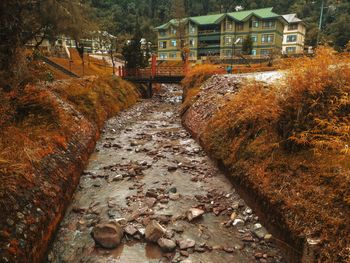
(150, 194)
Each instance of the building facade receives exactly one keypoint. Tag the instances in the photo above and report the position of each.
(293, 35)
(222, 35)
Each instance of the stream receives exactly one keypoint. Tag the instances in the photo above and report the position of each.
(147, 167)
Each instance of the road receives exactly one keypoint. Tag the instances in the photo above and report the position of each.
(147, 167)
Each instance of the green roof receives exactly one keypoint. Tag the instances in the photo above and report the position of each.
(263, 13)
(207, 20)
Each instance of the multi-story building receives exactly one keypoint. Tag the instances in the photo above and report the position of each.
(294, 35)
(223, 34)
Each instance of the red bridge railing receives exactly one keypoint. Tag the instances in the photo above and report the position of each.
(154, 71)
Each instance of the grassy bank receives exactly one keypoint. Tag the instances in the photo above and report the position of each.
(288, 144)
(47, 132)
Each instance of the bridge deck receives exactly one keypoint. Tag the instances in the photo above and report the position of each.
(160, 75)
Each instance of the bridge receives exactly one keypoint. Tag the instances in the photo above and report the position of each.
(154, 74)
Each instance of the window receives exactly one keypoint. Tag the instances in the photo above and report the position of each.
(162, 44)
(173, 55)
(228, 40)
(228, 53)
(265, 52)
(267, 38)
(173, 43)
(291, 50)
(229, 25)
(239, 26)
(254, 24)
(173, 31)
(162, 33)
(292, 27)
(192, 29)
(254, 52)
(192, 42)
(163, 55)
(269, 24)
(292, 38)
(254, 39)
(192, 55)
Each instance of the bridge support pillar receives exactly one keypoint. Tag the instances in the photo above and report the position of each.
(149, 90)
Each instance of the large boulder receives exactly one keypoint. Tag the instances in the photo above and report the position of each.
(194, 213)
(154, 231)
(167, 245)
(108, 235)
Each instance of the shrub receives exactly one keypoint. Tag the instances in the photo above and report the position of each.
(316, 103)
(199, 74)
(244, 116)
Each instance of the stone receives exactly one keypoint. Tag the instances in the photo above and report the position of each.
(174, 197)
(233, 216)
(154, 231)
(229, 249)
(238, 222)
(121, 221)
(108, 235)
(186, 243)
(194, 213)
(118, 177)
(186, 261)
(172, 168)
(150, 201)
(152, 193)
(267, 237)
(259, 231)
(130, 230)
(167, 245)
(173, 190)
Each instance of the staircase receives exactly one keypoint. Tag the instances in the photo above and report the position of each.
(58, 67)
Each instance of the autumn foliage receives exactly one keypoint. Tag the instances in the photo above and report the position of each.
(34, 121)
(288, 143)
(200, 73)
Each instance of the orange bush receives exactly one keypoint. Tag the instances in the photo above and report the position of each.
(316, 103)
(199, 74)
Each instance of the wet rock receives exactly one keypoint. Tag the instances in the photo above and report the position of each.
(238, 222)
(152, 193)
(173, 190)
(233, 216)
(116, 178)
(194, 213)
(167, 245)
(186, 243)
(150, 202)
(172, 168)
(229, 249)
(199, 249)
(130, 230)
(174, 197)
(259, 231)
(154, 231)
(108, 235)
(121, 221)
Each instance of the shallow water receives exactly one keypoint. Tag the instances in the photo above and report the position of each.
(141, 144)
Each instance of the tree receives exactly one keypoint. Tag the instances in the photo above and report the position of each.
(133, 53)
(247, 45)
(25, 20)
(179, 14)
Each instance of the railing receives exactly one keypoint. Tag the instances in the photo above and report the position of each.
(172, 71)
(204, 32)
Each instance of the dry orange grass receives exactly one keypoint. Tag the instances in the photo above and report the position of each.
(290, 144)
(34, 124)
(200, 73)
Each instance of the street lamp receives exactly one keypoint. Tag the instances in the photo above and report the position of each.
(320, 23)
(233, 50)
